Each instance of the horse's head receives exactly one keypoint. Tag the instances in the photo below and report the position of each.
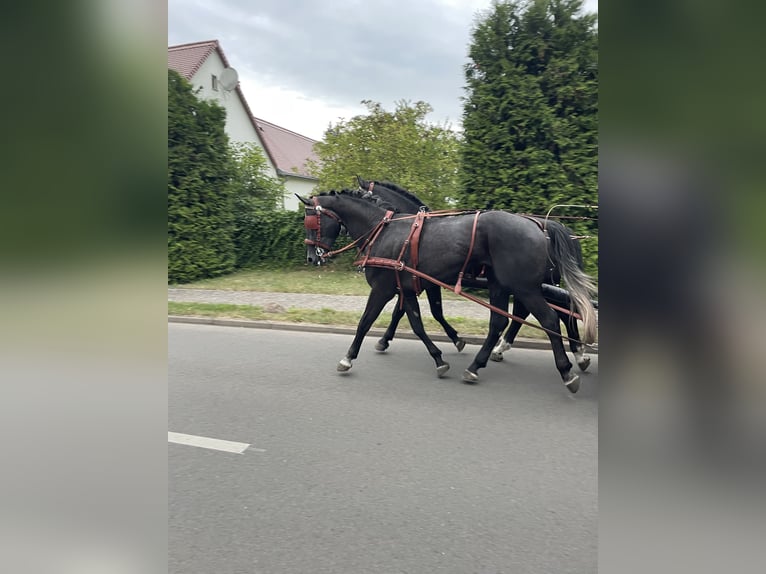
(365, 187)
(322, 229)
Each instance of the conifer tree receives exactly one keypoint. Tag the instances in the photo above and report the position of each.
(530, 114)
(200, 194)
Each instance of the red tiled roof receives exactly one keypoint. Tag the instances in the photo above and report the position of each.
(287, 150)
(186, 59)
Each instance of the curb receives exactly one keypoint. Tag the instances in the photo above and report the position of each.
(519, 343)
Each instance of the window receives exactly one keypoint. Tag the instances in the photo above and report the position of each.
(215, 82)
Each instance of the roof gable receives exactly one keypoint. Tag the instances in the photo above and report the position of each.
(287, 150)
(186, 59)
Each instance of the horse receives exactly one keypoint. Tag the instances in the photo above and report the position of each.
(407, 202)
(512, 248)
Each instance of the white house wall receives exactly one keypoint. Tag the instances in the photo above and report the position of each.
(239, 127)
(303, 187)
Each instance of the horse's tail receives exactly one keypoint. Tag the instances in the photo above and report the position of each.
(566, 254)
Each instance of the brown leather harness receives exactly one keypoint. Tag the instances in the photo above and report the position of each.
(313, 219)
(413, 242)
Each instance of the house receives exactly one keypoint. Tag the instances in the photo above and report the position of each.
(206, 67)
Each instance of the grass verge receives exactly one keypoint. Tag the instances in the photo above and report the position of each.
(322, 280)
(327, 316)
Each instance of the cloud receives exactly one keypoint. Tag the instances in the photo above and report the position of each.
(340, 52)
(344, 51)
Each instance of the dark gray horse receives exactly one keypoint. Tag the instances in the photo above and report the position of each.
(407, 202)
(512, 248)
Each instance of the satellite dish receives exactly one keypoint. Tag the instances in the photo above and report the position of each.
(229, 79)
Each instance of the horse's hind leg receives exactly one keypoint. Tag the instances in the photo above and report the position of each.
(412, 308)
(375, 303)
(434, 294)
(549, 319)
(498, 297)
(505, 343)
(577, 348)
(396, 316)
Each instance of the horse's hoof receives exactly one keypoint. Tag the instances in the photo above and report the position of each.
(470, 377)
(381, 346)
(573, 384)
(442, 369)
(584, 363)
(497, 353)
(344, 365)
(459, 344)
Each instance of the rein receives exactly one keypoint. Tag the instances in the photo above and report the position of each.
(312, 222)
(400, 266)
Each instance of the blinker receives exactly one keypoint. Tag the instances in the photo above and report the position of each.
(311, 222)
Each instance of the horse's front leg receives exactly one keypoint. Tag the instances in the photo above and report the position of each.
(396, 316)
(375, 303)
(412, 309)
(434, 294)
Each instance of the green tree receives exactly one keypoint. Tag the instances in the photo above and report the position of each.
(259, 227)
(254, 188)
(530, 114)
(399, 146)
(200, 194)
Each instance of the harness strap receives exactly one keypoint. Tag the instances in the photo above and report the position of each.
(413, 242)
(415, 246)
(534, 220)
(367, 245)
(458, 285)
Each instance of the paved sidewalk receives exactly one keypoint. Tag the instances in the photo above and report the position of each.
(465, 309)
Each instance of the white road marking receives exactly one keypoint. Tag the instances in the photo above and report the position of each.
(211, 443)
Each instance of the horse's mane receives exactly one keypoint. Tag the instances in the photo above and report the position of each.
(400, 190)
(363, 196)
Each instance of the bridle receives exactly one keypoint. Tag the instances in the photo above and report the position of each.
(312, 220)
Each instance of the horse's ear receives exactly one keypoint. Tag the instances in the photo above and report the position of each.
(303, 200)
(360, 181)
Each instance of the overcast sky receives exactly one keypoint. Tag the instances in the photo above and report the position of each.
(303, 64)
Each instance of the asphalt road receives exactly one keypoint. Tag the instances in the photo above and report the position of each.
(385, 469)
